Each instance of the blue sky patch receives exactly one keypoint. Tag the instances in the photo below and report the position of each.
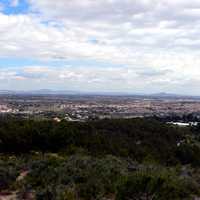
(9, 9)
(24, 62)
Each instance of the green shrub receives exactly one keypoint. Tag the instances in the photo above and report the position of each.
(147, 185)
(8, 173)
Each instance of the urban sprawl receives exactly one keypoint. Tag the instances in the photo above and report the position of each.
(89, 107)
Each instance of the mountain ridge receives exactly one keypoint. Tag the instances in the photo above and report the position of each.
(74, 92)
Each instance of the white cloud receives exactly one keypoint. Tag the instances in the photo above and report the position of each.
(154, 40)
(91, 79)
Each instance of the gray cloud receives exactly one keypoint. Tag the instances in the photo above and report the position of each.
(154, 73)
(156, 41)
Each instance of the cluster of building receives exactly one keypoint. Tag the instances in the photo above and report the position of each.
(82, 108)
(5, 109)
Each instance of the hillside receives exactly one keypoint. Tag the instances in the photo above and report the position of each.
(107, 159)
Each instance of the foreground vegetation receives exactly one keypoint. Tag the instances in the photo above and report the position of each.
(139, 159)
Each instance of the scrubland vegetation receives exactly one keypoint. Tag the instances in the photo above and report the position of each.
(138, 159)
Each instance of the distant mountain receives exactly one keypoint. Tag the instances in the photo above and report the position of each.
(72, 92)
(54, 92)
(175, 96)
(163, 94)
(7, 92)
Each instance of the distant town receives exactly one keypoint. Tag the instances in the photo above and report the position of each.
(73, 107)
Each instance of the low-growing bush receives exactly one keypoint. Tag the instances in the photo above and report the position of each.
(155, 185)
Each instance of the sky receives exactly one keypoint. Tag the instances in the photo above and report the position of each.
(133, 46)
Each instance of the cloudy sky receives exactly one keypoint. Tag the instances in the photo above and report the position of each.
(134, 46)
